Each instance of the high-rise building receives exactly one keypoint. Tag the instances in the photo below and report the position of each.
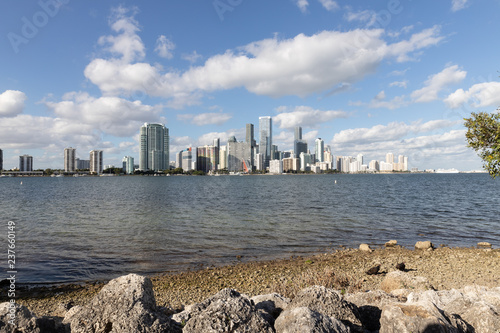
(389, 158)
(265, 138)
(186, 159)
(69, 159)
(250, 139)
(239, 156)
(96, 161)
(206, 158)
(1, 159)
(276, 167)
(128, 165)
(319, 150)
(217, 153)
(155, 150)
(298, 133)
(82, 164)
(26, 163)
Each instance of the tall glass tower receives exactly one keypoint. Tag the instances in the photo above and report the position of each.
(155, 150)
(265, 138)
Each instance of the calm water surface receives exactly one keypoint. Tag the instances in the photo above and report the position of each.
(78, 229)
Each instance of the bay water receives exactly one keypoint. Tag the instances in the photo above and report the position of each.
(74, 229)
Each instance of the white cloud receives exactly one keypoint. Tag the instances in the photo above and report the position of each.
(435, 83)
(192, 57)
(329, 5)
(379, 101)
(305, 116)
(300, 66)
(31, 132)
(12, 103)
(435, 150)
(110, 115)
(457, 5)
(127, 43)
(368, 17)
(418, 41)
(400, 84)
(479, 95)
(302, 4)
(206, 118)
(390, 132)
(164, 47)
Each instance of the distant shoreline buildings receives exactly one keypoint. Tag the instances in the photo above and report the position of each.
(235, 157)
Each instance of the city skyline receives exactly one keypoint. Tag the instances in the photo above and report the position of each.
(367, 78)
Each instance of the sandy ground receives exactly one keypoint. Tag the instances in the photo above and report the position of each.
(345, 269)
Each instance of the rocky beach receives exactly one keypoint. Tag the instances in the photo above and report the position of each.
(375, 278)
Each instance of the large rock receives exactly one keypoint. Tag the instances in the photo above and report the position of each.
(328, 302)
(422, 317)
(304, 320)
(478, 306)
(424, 245)
(23, 320)
(125, 304)
(400, 283)
(227, 311)
(370, 306)
(273, 304)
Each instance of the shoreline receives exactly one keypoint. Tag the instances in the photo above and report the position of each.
(445, 268)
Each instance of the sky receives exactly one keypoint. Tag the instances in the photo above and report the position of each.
(368, 77)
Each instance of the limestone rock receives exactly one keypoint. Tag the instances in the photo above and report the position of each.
(427, 245)
(329, 303)
(419, 318)
(478, 306)
(403, 282)
(391, 243)
(370, 306)
(273, 304)
(302, 319)
(484, 244)
(125, 304)
(365, 247)
(227, 311)
(24, 320)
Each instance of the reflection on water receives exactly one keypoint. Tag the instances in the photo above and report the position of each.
(74, 229)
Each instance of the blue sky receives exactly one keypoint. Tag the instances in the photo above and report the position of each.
(366, 77)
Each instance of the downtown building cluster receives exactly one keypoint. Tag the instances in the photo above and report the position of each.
(249, 156)
(236, 156)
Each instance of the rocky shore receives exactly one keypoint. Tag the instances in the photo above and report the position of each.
(392, 289)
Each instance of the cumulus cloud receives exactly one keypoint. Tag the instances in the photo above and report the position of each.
(110, 115)
(435, 83)
(329, 5)
(299, 66)
(457, 5)
(479, 95)
(305, 116)
(400, 84)
(12, 103)
(192, 57)
(206, 118)
(431, 144)
(302, 4)
(32, 132)
(164, 47)
(390, 132)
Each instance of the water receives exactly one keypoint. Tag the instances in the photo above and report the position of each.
(92, 228)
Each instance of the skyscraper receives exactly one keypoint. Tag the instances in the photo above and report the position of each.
(298, 133)
(319, 150)
(239, 156)
(128, 165)
(26, 163)
(96, 161)
(69, 159)
(265, 138)
(1, 159)
(155, 150)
